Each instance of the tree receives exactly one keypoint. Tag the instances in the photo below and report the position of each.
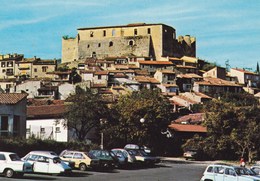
(74, 77)
(84, 112)
(125, 126)
(232, 127)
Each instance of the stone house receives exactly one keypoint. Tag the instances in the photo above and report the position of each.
(216, 72)
(153, 66)
(28, 86)
(246, 78)
(7, 65)
(165, 76)
(13, 114)
(215, 87)
(186, 81)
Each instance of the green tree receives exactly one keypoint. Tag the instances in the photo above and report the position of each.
(125, 126)
(232, 127)
(84, 112)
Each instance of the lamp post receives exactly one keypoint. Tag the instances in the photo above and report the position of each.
(102, 135)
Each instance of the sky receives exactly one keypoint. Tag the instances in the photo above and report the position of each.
(225, 30)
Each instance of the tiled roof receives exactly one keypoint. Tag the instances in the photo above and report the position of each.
(167, 71)
(155, 62)
(101, 73)
(46, 111)
(186, 67)
(244, 71)
(189, 76)
(169, 85)
(217, 82)
(188, 128)
(11, 98)
(191, 118)
(144, 79)
(189, 59)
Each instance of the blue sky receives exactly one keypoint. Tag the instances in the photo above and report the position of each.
(225, 29)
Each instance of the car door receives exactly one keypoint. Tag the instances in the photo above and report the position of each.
(219, 173)
(230, 175)
(41, 165)
(2, 163)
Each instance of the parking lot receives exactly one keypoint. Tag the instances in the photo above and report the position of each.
(174, 171)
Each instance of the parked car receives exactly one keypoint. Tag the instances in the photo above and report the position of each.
(46, 163)
(256, 168)
(11, 165)
(125, 158)
(190, 154)
(106, 161)
(71, 164)
(82, 160)
(228, 173)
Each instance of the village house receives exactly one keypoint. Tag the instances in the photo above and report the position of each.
(186, 81)
(7, 65)
(153, 66)
(13, 114)
(216, 72)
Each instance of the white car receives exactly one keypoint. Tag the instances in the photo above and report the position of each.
(11, 165)
(46, 163)
(219, 172)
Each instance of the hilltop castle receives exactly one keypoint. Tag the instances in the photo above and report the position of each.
(152, 41)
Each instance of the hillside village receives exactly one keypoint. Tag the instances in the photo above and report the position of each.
(113, 61)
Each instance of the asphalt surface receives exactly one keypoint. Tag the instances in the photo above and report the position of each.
(172, 169)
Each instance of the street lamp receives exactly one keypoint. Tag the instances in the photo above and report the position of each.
(102, 135)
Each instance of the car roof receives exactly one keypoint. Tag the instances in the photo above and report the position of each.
(44, 154)
(5, 152)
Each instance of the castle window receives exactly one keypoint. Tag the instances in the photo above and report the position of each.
(113, 32)
(104, 33)
(149, 31)
(35, 70)
(44, 69)
(91, 34)
(110, 43)
(99, 45)
(131, 42)
(94, 55)
(135, 31)
(88, 46)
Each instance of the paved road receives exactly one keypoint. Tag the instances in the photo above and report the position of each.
(172, 171)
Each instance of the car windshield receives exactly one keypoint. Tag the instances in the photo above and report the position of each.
(14, 157)
(90, 155)
(244, 171)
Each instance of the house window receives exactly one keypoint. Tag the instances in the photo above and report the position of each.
(131, 42)
(28, 130)
(4, 125)
(88, 46)
(149, 31)
(113, 32)
(44, 69)
(42, 130)
(99, 77)
(57, 129)
(104, 33)
(16, 125)
(2, 64)
(91, 34)
(10, 64)
(110, 44)
(135, 31)
(94, 55)
(99, 45)
(35, 70)
(3, 71)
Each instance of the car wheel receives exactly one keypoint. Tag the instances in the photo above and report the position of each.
(82, 167)
(9, 173)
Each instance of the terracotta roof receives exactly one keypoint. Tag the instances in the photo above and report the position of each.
(244, 71)
(101, 73)
(155, 62)
(186, 67)
(174, 59)
(170, 85)
(189, 76)
(191, 118)
(189, 59)
(145, 79)
(188, 128)
(11, 98)
(167, 71)
(217, 82)
(46, 111)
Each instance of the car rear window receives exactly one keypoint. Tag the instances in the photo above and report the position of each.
(14, 157)
(210, 169)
